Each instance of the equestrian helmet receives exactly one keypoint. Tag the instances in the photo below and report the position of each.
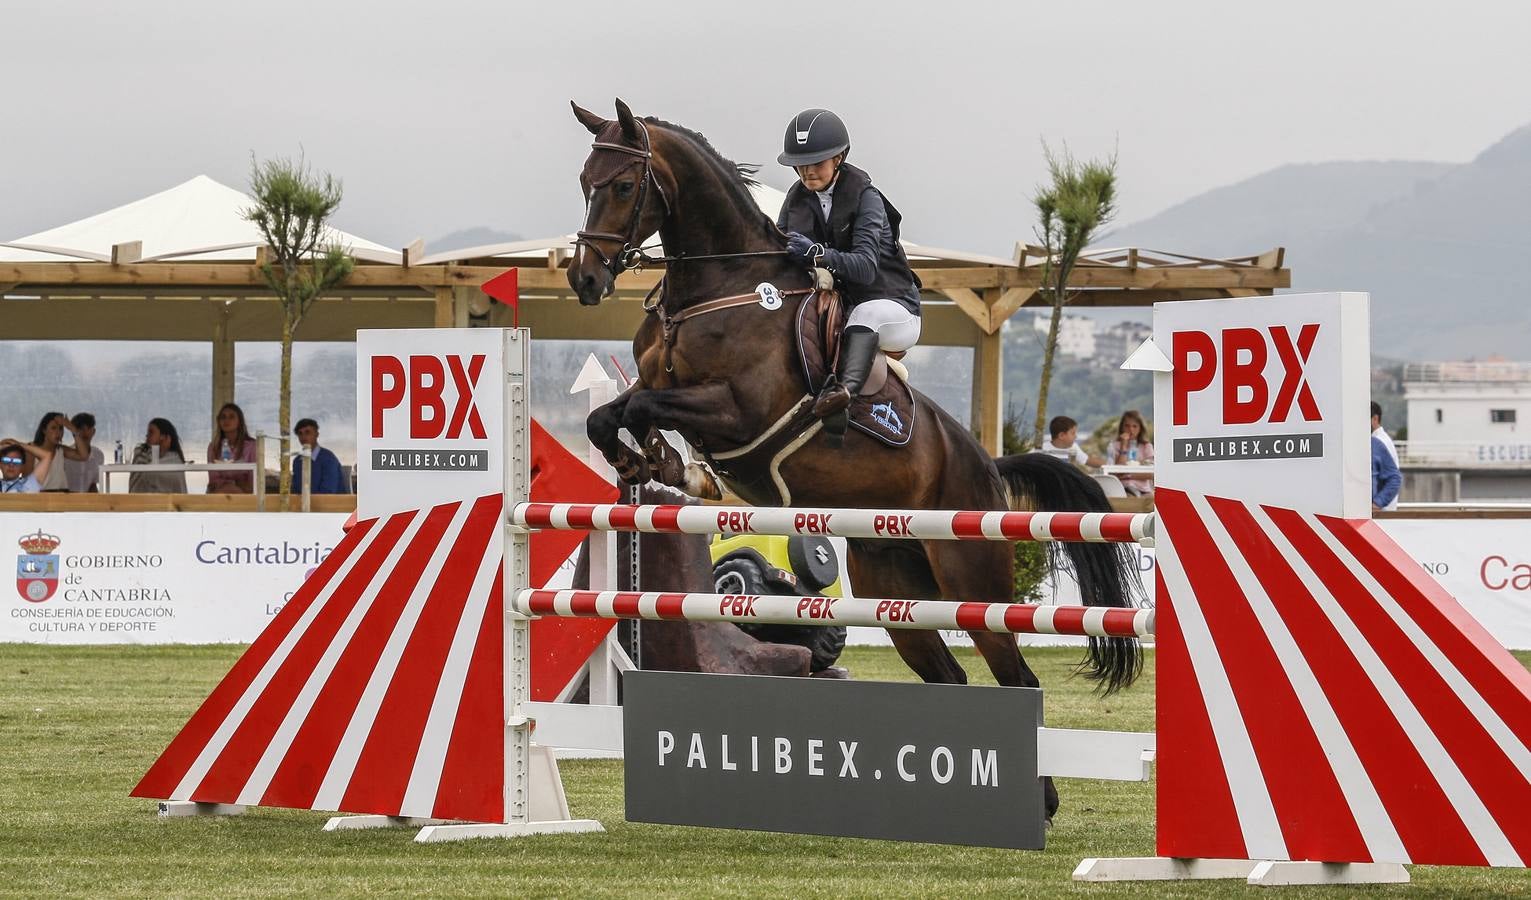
(813, 136)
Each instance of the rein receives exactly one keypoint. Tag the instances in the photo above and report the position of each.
(636, 257)
(671, 322)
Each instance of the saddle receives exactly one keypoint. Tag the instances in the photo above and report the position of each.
(885, 408)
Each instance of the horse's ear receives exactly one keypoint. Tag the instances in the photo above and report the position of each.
(588, 119)
(630, 128)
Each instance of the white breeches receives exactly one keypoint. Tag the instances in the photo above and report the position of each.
(897, 328)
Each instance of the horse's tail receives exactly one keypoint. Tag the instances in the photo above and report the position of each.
(1104, 570)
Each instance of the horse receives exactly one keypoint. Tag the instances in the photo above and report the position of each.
(722, 374)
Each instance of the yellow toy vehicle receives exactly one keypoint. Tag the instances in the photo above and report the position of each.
(802, 565)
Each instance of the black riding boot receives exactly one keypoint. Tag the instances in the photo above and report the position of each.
(858, 350)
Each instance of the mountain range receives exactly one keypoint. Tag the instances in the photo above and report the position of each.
(1440, 246)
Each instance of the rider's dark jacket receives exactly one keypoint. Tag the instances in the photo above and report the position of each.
(861, 238)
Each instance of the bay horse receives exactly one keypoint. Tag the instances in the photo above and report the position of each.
(724, 378)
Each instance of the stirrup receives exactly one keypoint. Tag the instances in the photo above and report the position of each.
(835, 426)
(832, 394)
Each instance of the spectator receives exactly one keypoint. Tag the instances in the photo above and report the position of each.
(1064, 443)
(1133, 447)
(82, 462)
(1381, 434)
(328, 476)
(231, 443)
(49, 441)
(13, 460)
(161, 435)
(1386, 479)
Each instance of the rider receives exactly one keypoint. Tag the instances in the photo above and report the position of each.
(835, 219)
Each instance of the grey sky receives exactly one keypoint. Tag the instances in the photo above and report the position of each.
(448, 115)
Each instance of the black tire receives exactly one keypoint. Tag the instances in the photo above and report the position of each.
(741, 575)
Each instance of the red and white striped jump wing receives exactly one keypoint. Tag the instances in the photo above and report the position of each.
(377, 689)
(1322, 698)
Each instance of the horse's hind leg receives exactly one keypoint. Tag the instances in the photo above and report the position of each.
(900, 572)
(983, 573)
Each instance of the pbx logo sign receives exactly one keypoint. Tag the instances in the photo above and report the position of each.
(427, 398)
(1234, 364)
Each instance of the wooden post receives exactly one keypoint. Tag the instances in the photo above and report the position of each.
(988, 391)
(460, 305)
(223, 361)
(445, 318)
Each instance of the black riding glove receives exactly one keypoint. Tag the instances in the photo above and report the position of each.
(802, 248)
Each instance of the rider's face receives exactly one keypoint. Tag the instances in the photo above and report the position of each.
(818, 176)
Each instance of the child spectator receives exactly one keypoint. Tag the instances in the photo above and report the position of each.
(231, 443)
(328, 477)
(1064, 443)
(1132, 446)
(82, 462)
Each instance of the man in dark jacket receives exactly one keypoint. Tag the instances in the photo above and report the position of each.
(835, 219)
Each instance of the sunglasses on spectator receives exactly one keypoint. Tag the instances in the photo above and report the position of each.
(11, 460)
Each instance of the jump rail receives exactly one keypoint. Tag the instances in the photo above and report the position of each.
(912, 524)
(925, 615)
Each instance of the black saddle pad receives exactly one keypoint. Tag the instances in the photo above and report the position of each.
(887, 415)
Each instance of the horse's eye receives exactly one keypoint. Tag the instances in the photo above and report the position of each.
(624, 189)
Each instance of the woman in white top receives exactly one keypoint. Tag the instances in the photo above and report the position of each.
(49, 439)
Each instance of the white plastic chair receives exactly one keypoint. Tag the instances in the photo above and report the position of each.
(1111, 485)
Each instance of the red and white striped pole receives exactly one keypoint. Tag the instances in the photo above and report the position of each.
(922, 615)
(913, 524)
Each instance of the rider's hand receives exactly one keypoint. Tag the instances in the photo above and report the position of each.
(800, 246)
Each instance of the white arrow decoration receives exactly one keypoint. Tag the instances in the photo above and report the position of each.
(1148, 358)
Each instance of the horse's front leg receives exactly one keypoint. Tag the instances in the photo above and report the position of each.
(707, 410)
(603, 427)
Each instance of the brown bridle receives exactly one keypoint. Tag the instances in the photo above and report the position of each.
(629, 256)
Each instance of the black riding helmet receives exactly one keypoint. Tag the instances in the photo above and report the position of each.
(813, 136)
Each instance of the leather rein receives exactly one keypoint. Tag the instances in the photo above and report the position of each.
(635, 257)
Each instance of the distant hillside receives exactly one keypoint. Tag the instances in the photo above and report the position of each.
(478, 236)
(1439, 246)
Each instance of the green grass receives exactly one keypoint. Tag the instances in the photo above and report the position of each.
(78, 726)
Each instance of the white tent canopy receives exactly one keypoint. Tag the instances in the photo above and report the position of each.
(197, 221)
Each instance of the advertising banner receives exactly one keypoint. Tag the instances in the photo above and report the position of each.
(946, 764)
(1265, 400)
(156, 578)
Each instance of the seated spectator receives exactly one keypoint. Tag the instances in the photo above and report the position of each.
(328, 477)
(1064, 443)
(13, 460)
(49, 440)
(82, 462)
(160, 435)
(231, 443)
(1132, 446)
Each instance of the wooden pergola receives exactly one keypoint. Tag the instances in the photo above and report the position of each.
(969, 298)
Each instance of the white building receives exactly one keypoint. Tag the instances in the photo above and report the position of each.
(1464, 419)
(1076, 334)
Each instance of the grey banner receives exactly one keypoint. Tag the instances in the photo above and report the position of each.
(1257, 446)
(430, 461)
(946, 764)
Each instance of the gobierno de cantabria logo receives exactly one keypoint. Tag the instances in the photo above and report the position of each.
(37, 566)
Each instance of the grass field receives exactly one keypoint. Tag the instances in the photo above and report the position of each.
(78, 726)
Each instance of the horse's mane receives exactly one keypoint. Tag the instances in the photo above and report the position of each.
(741, 176)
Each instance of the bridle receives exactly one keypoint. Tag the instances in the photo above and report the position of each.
(633, 255)
(630, 256)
